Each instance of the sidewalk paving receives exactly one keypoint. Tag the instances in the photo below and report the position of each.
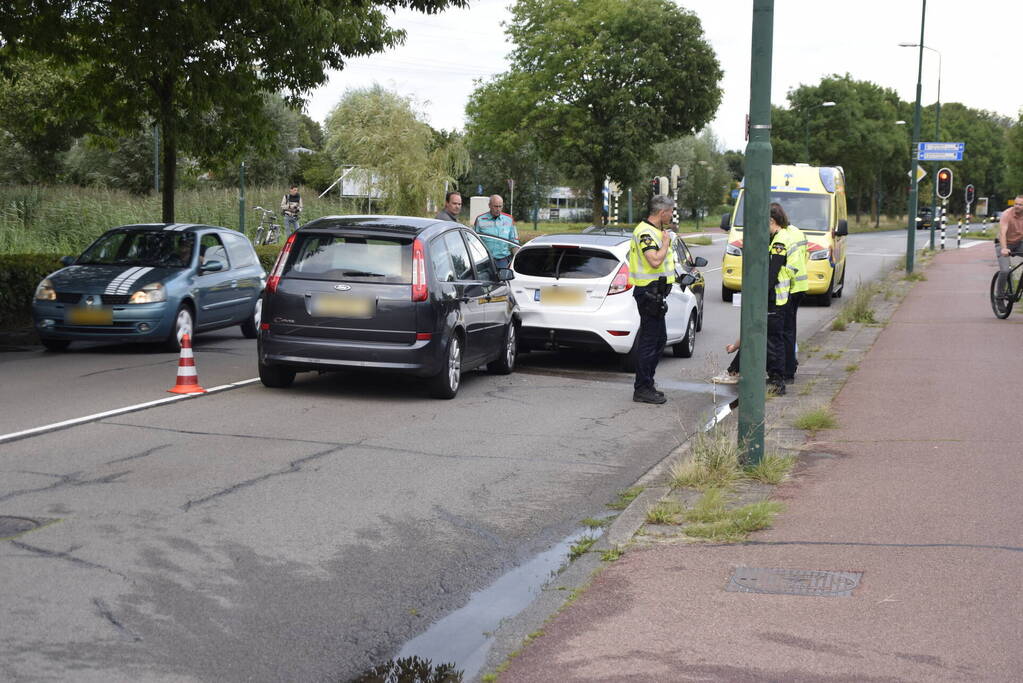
(918, 489)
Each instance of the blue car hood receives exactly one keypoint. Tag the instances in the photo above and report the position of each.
(98, 279)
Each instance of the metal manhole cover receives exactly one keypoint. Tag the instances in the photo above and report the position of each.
(12, 526)
(793, 582)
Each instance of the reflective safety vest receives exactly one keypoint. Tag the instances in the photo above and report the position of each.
(798, 259)
(779, 253)
(641, 273)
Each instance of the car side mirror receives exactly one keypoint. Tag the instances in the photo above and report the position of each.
(843, 227)
(67, 260)
(726, 222)
(699, 262)
(686, 280)
(211, 267)
(505, 274)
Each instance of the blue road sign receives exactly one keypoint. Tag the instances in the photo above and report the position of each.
(940, 151)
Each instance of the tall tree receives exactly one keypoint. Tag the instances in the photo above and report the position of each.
(179, 60)
(598, 82)
(399, 154)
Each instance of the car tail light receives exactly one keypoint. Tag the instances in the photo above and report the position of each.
(275, 274)
(619, 333)
(424, 336)
(420, 291)
(621, 282)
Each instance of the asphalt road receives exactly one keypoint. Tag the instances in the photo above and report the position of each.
(306, 534)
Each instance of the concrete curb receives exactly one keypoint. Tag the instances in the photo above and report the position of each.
(823, 371)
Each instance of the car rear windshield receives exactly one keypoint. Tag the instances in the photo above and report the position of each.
(141, 248)
(351, 257)
(562, 262)
(805, 211)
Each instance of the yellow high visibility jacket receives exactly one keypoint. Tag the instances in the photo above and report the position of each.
(780, 276)
(797, 259)
(641, 273)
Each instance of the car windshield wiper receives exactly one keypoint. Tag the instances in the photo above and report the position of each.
(363, 273)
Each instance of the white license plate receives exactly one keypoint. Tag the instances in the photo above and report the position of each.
(340, 306)
(90, 316)
(562, 296)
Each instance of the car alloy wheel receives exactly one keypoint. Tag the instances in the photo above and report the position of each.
(505, 364)
(454, 364)
(250, 328)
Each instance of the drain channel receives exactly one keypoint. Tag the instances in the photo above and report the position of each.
(464, 636)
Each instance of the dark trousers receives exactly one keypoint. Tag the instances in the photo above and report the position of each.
(652, 337)
(790, 333)
(776, 342)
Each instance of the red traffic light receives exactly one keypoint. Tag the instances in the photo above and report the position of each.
(944, 183)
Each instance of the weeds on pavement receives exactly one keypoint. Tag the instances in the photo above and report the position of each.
(581, 547)
(625, 497)
(772, 469)
(665, 512)
(713, 462)
(814, 419)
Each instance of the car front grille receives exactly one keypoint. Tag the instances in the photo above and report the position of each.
(107, 299)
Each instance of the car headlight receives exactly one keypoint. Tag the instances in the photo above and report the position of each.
(152, 293)
(45, 291)
(820, 255)
(733, 250)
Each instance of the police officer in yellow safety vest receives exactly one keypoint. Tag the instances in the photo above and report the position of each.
(651, 270)
(797, 261)
(780, 279)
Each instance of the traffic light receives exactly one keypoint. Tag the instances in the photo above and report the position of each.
(655, 187)
(945, 183)
(969, 194)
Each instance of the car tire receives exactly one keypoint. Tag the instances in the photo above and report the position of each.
(506, 362)
(446, 382)
(685, 348)
(184, 322)
(841, 286)
(250, 328)
(699, 317)
(825, 298)
(56, 345)
(276, 376)
(726, 294)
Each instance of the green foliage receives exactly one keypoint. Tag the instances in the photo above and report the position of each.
(20, 274)
(665, 512)
(381, 132)
(859, 308)
(821, 417)
(593, 523)
(612, 554)
(199, 69)
(411, 670)
(713, 463)
(735, 525)
(581, 547)
(601, 83)
(772, 468)
(625, 497)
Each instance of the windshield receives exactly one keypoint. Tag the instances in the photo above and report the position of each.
(808, 212)
(141, 248)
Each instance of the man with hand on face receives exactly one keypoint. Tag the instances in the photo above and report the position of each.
(651, 267)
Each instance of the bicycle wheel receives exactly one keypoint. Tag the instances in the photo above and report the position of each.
(1001, 296)
(259, 237)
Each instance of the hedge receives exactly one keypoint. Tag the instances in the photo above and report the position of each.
(20, 274)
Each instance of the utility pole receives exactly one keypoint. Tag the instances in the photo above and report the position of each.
(753, 317)
(913, 183)
(241, 198)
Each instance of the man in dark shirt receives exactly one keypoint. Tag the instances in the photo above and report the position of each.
(452, 207)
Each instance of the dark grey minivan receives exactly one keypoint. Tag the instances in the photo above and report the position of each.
(392, 293)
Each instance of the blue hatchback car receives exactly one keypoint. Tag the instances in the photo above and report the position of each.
(152, 283)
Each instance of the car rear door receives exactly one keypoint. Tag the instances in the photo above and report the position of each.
(495, 293)
(470, 294)
(347, 286)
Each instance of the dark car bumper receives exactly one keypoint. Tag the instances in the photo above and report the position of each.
(134, 323)
(422, 358)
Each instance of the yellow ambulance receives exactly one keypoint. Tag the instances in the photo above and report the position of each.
(814, 200)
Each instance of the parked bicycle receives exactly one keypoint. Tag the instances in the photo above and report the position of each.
(1006, 287)
(269, 230)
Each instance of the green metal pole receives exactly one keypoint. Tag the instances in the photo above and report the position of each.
(937, 164)
(630, 206)
(156, 158)
(913, 187)
(756, 239)
(241, 199)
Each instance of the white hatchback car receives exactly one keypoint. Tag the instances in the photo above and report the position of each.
(573, 292)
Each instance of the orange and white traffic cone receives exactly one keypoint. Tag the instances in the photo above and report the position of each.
(188, 380)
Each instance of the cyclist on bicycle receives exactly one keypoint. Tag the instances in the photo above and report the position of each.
(291, 206)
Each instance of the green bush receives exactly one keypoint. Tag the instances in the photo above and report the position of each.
(268, 256)
(19, 276)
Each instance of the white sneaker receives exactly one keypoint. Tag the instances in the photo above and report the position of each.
(725, 378)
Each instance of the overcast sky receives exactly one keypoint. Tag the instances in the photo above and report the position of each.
(979, 42)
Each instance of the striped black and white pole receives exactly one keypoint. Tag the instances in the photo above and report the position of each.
(614, 208)
(943, 225)
(674, 211)
(959, 233)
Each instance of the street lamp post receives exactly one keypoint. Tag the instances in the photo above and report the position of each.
(699, 188)
(806, 143)
(913, 186)
(937, 138)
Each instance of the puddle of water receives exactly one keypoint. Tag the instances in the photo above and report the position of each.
(463, 637)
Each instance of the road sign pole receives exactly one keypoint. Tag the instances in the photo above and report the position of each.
(753, 315)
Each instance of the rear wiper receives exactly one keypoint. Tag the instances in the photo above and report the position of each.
(362, 273)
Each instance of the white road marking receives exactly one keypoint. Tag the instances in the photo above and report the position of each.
(35, 431)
